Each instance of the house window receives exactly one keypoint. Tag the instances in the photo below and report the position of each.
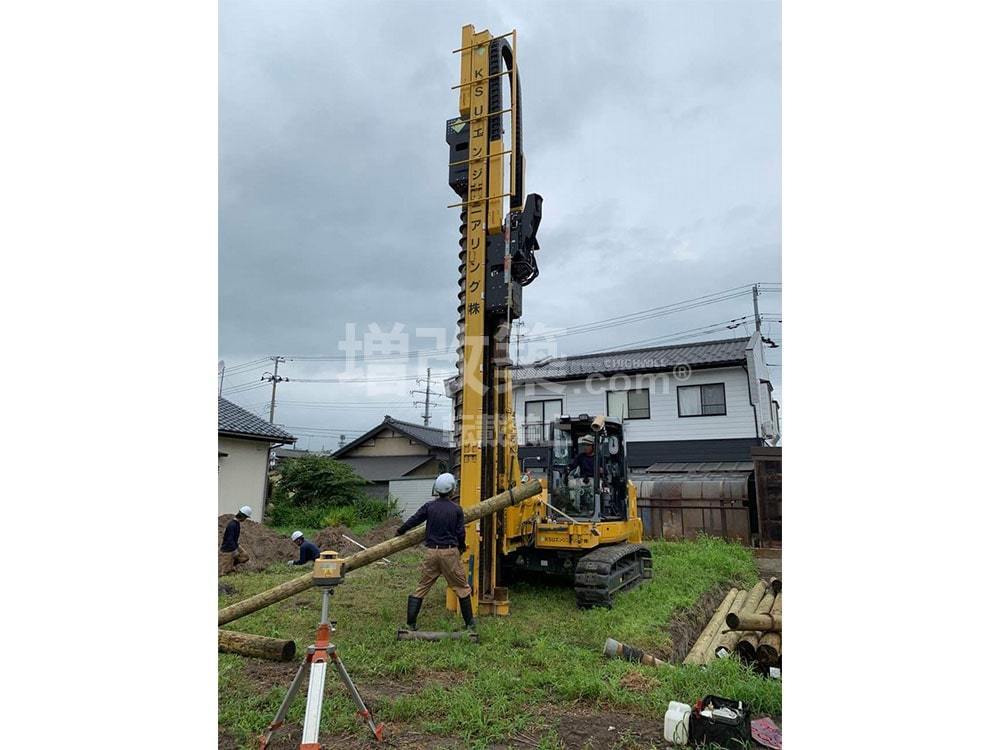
(537, 416)
(632, 404)
(701, 400)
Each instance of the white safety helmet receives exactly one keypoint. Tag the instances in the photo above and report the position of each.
(296, 535)
(245, 510)
(586, 440)
(444, 484)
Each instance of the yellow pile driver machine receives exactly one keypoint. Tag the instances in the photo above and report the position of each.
(585, 524)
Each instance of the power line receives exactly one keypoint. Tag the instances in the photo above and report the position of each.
(624, 319)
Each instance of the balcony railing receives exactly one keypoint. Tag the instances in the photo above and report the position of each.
(535, 433)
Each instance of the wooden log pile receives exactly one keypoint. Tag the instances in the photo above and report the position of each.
(747, 623)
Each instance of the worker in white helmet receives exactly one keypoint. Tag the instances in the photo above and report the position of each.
(307, 550)
(231, 553)
(583, 461)
(445, 542)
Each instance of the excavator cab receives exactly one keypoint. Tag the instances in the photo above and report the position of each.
(588, 484)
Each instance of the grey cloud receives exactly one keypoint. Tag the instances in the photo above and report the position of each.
(651, 129)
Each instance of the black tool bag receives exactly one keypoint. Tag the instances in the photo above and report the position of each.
(705, 731)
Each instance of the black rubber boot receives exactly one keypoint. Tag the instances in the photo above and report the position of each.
(466, 606)
(412, 610)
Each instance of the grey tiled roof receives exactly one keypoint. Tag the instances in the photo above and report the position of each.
(696, 355)
(235, 420)
(429, 436)
(384, 468)
(433, 437)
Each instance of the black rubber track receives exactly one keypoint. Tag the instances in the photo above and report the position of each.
(609, 570)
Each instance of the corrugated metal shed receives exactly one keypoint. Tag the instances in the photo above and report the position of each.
(689, 467)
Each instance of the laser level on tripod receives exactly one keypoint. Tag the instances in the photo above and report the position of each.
(328, 571)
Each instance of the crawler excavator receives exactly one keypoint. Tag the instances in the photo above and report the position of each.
(583, 525)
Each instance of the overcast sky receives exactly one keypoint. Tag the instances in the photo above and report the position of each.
(651, 129)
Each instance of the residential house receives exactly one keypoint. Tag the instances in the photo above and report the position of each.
(695, 402)
(395, 449)
(245, 442)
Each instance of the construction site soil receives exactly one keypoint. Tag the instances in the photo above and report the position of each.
(265, 546)
(579, 727)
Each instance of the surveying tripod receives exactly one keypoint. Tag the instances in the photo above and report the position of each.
(327, 573)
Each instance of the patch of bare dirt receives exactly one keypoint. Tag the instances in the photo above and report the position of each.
(332, 538)
(227, 741)
(376, 692)
(596, 729)
(638, 682)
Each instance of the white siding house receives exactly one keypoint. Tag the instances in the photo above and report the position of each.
(245, 442)
(706, 401)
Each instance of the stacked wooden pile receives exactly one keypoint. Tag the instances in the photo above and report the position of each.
(747, 622)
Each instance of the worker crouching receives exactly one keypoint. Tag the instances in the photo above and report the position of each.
(445, 542)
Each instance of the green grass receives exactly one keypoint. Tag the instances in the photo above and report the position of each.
(547, 654)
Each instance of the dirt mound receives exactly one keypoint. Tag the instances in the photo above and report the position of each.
(332, 537)
(264, 546)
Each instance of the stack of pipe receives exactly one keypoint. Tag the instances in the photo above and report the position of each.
(746, 622)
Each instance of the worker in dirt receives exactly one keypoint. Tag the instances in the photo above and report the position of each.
(445, 542)
(307, 550)
(231, 553)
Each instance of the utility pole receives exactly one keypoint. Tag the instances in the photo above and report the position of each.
(756, 314)
(273, 380)
(222, 374)
(427, 397)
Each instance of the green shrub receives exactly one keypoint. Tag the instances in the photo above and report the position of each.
(308, 489)
(284, 514)
(345, 516)
(376, 510)
(318, 480)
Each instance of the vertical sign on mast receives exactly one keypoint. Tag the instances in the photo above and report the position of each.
(473, 106)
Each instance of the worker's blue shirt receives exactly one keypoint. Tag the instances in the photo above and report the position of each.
(307, 552)
(445, 523)
(231, 537)
(585, 463)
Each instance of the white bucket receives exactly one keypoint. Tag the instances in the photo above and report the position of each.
(675, 723)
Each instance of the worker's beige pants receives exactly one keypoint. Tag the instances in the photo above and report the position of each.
(447, 563)
(229, 560)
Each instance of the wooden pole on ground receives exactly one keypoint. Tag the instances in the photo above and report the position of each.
(726, 641)
(746, 646)
(765, 623)
(697, 654)
(376, 552)
(769, 647)
(258, 646)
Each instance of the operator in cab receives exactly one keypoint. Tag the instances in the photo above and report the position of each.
(583, 461)
(307, 550)
(445, 544)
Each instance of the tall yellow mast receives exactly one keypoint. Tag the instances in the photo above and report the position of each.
(495, 261)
